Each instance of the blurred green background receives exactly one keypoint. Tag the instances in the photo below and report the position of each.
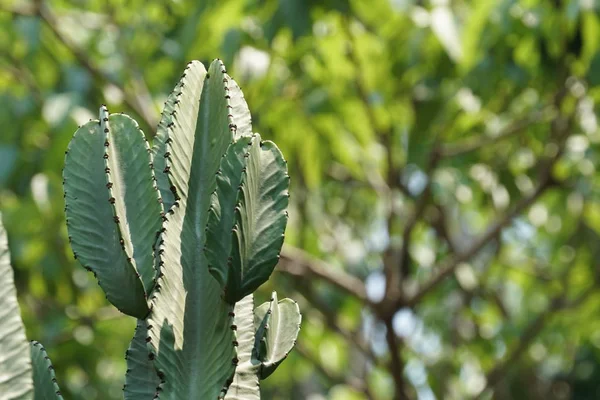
(445, 218)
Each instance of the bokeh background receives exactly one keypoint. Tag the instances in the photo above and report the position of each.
(445, 217)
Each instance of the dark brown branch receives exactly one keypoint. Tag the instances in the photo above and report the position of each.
(396, 363)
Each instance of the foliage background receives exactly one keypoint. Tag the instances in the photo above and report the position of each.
(445, 215)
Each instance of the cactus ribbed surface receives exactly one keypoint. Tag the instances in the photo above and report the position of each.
(95, 227)
(277, 325)
(15, 365)
(190, 327)
(44, 380)
(141, 379)
(247, 216)
(26, 372)
(178, 236)
(245, 385)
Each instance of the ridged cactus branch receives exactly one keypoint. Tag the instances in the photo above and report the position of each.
(221, 218)
(44, 379)
(277, 326)
(190, 327)
(239, 113)
(159, 148)
(141, 379)
(92, 221)
(15, 363)
(132, 191)
(247, 217)
(245, 385)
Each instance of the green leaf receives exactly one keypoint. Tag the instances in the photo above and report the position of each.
(141, 379)
(260, 222)
(44, 380)
(245, 385)
(277, 326)
(15, 365)
(91, 221)
(131, 184)
(189, 326)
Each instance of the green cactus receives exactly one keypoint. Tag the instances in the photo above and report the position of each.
(25, 369)
(266, 337)
(179, 236)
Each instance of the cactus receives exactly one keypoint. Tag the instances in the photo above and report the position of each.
(179, 236)
(26, 373)
(267, 336)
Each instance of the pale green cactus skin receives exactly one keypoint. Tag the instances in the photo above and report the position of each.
(25, 369)
(179, 236)
(266, 337)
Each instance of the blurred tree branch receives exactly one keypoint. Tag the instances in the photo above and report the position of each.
(480, 141)
(560, 130)
(331, 378)
(531, 332)
(298, 263)
(141, 104)
(448, 267)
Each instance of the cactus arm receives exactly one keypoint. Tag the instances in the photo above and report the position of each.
(159, 149)
(131, 184)
(91, 221)
(141, 379)
(245, 385)
(221, 212)
(277, 326)
(44, 380)
(240, 111)
(261, 218)
(190, 329)
(15, 365)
